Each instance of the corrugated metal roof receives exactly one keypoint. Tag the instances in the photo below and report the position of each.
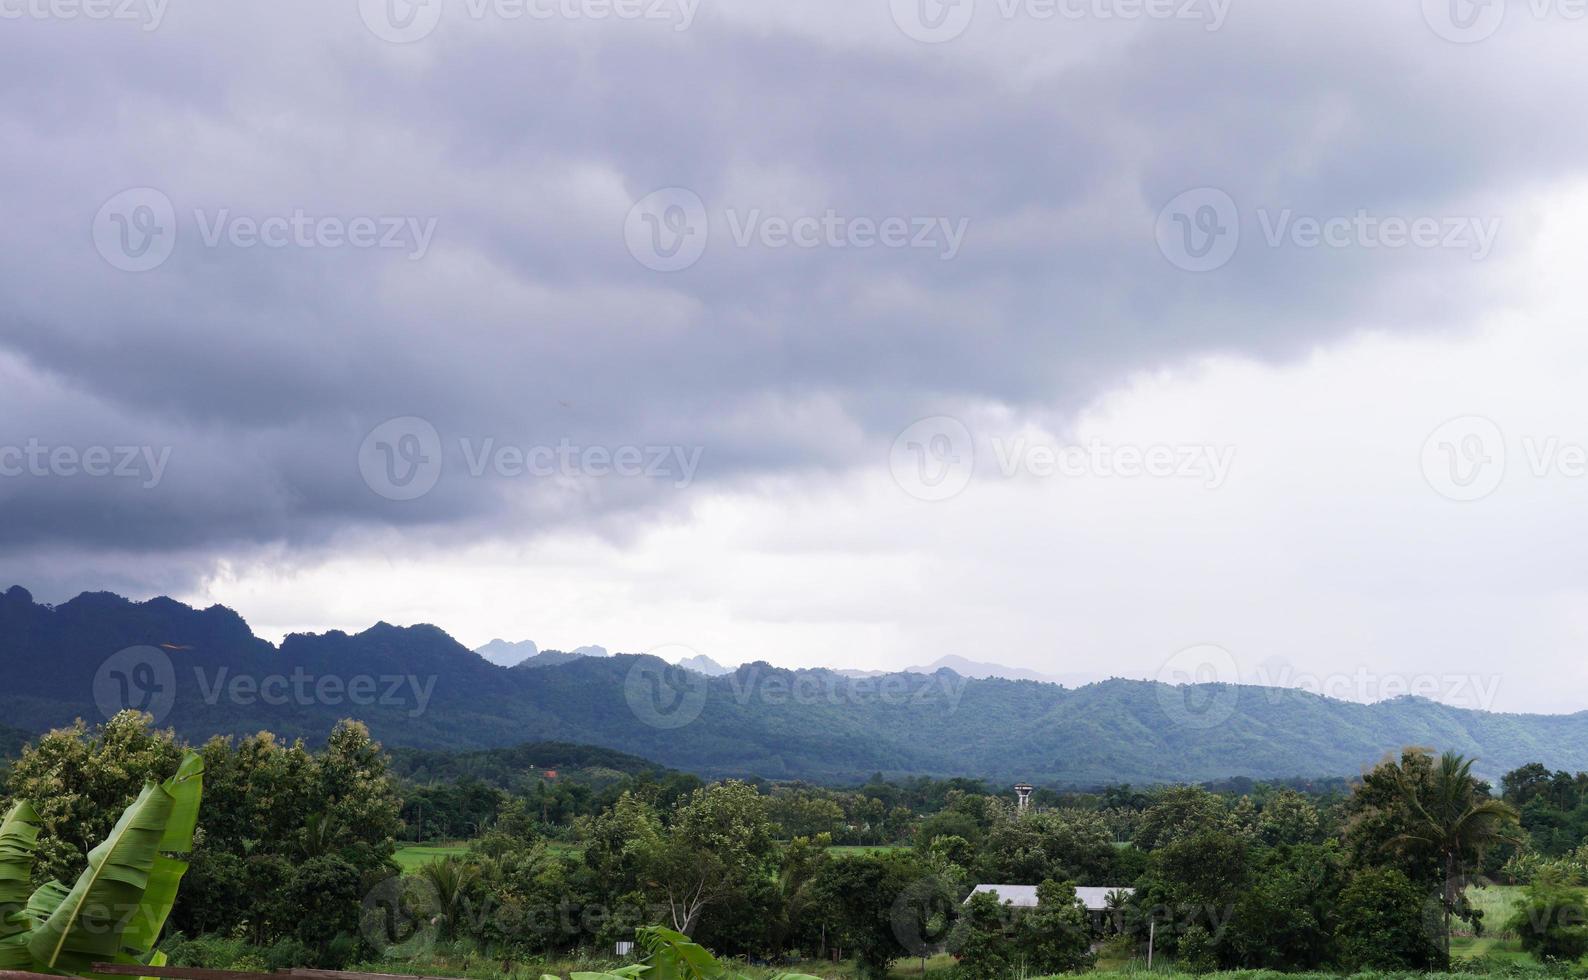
(1025, 896)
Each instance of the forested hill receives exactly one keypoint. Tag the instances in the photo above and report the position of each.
(11, 742)
(502, 766)
(418, 687)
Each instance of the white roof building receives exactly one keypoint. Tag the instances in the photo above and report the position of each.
(1025, 896)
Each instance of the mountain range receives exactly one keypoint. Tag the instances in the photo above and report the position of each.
(505, 654)
(204, 672)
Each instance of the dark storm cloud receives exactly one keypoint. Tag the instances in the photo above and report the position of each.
(527, 320)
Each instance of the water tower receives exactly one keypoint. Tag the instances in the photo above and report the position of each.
(1023, 793)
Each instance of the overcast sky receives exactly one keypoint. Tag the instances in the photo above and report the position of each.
(1201, 338)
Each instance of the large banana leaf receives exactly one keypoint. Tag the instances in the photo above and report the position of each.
(115, 910)
(674, 956)
(19, 837)
(14, 954)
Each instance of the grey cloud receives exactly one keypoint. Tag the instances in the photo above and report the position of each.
(528, 321)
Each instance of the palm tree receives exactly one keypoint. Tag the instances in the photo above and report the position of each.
(1447, 815)
(449, 881)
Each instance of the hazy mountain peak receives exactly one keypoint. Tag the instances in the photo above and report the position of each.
(702, 664)
(506, 654)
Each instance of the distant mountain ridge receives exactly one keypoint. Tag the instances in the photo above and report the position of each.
(204, 672)
(525, 653)
(505, 654)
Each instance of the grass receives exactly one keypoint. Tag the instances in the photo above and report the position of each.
(414, 856)
(411, 857)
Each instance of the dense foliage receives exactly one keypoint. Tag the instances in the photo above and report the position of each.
(293, 859)
(289, 841)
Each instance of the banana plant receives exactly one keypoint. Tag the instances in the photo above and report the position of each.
(119, 904)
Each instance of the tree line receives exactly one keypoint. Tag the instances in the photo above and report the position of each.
(294, 857)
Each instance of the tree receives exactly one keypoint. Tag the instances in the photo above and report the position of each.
(1385, 924)
(1449, 816)
(1288, 817)
(1190, 882)
(1064, 845)
(804, 813)
(981, 938)
(719, 841)
(1178, 813)
(1283, 918)
(80, 781)
(1055, 936)
(856, 898)
(1552, 919)
(449, 883)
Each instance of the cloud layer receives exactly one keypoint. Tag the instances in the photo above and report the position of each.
(877, 212)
